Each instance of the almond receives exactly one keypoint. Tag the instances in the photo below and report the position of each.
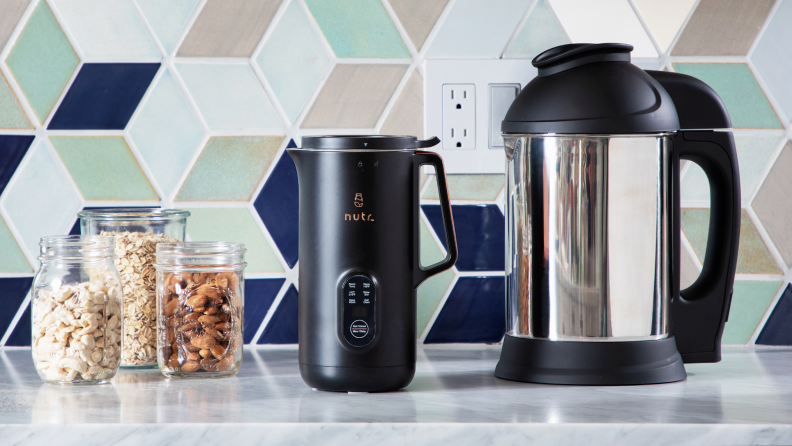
(192, 317)
(224, 326)
(189, 347)
(197, 301)
(204, 353)
(218, 351)
(226, 363)
(210, 365)
(204, 342)
(173, 362)
(190, 326)
(170, 307)
(193, 356)
(190, 366)
(212, 311)
(206, 319)
(207, 290)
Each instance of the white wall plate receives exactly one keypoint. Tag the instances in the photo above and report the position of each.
(485, 154)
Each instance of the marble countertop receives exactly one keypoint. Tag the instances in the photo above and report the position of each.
(454, 399)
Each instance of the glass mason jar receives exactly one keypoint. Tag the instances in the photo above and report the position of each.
(200, 304)
(137, 232)
(77, 311)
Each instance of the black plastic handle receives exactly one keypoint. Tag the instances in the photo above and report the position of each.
(701, 310)
(419, 272)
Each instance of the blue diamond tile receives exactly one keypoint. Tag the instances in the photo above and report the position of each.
(278, 207)
(473, 312)
(12, 150)
(282, 328)
(14, 292)
(259, 295)
(480, 235)
(778, 329)
(104, 96)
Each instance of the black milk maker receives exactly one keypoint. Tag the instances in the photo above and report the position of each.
(593, 146)
(359, 258)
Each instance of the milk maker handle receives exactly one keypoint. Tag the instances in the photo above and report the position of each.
(700, 311)
(420, 273)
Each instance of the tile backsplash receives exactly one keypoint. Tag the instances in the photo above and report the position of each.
(191, 104)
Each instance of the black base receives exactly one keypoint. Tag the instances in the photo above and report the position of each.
(357, 379)
(590, 363)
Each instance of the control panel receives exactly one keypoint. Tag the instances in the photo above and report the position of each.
(359, 300)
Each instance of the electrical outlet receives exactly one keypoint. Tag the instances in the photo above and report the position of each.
(459, 116)
(483, 90)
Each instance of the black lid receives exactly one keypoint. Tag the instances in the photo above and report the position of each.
(366, 142)
(591, 89)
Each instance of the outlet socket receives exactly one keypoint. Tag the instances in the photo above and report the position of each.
(459, 116)
(492, 82)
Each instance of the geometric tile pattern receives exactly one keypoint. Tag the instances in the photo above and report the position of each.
(237, 70)
(103, 96)
(418, 17)
(42, 60)
(14, 292)
(282, 328)
(480, 235)
(773, 57)
(539, 32)
(358, 28)
(166, 132)
(753, 258)
(722, 28)
(293, 60)
(259, 295)
(229, 168)
(106, 28)
(777, 330)
(278, 206)
(736, 85)
(103, 168)
(228, 28)
(474, 312)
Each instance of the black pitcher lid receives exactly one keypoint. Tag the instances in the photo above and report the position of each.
(366, 142)
(591, 89)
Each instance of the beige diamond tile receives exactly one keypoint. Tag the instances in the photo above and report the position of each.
(722, 28)
(418, 17)
(406, 116)
(773, 203)
(354, 96)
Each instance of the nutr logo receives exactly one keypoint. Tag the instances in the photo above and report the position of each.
(359, 216)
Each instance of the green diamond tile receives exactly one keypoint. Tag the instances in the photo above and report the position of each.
(432, 290)
(749, 303)
(234, 225)
(358, 28)
(737, 87)
(167, 18)
(753, 258)
(229, 168)
(540, 32)
(103, 168)
(42, 60)
(12, 260)
(469, 187)
(11, 114)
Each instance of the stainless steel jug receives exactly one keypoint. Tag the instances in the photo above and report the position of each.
(592, 222)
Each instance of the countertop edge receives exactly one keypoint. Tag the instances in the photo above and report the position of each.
(386, 434)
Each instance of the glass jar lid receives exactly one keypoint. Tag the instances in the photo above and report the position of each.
(77, 247)
(133, 214)
(200, 254)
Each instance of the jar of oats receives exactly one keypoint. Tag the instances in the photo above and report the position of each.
(200, 303)
(76, 310)
(137, 231)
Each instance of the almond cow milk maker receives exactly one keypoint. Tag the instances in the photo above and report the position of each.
(593, 146)
(359, 258)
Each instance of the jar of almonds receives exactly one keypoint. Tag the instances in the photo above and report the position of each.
(137, 232)
(200, 300)
(77, 315)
